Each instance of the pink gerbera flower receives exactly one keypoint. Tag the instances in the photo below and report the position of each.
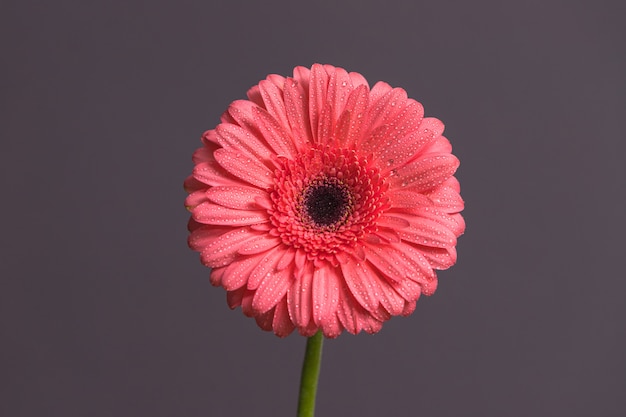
(322, 204)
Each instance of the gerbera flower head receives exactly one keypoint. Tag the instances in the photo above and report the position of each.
(323, 204)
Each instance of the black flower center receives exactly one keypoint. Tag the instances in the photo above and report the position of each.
(327, 202)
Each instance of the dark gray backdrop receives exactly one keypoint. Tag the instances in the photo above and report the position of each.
(104, 310)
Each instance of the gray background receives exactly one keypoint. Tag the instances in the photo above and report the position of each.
(105, 311)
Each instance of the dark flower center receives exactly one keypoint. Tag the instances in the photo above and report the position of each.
(327, 202)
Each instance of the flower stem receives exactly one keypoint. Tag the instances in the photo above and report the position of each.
(310, 375)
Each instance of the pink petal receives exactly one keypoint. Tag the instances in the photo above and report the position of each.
(302, 75)
(388, 235)
(271, 290)
(398, 141)
(282, 323)
(363, 282)
(318, 85)
(236, 197)
(428, 232)
(216, 276)
(264, 320)
(392, 222)
(357, 283)
(297, 108)
(274, 134)
(358, 80)
(439, 258)
(191, 185)
(346, 311)
(325, 127)
(248, 142)
(274, 102)
(446, 199)
(332, 327)
(287, 259)
(277, 80)
(390, 299)
(407, 198)
(426, 172)
(234, 298)
(265, 268)
(209, 213)
(439, 145)
(399, 261)
(219, 248)
(379, 90)
(432, 127)
(195, 198)
(246, 168)
(203, 154)
(450, 224)
(352, 117)
(339, 88)
(383, 111)
(211, 173)
(325, 295)
(260, 244)
(355, 318)
(238, 273)
(369, 324)
(408, 289)
(409, 308)
(299, 298)
(246, 303)
(308, 330)
(209, 139)
(254, 95)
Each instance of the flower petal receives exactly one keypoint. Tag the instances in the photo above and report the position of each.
(271, 290)
(234, 298)
(352, 117)
(426, 172)
(355, 318)
(299, 298)
(244, 141)
(260, 244)
(438, 258)
(447, 225)
(238, 273)
(266, 267)
(357, 284)
(282, 324)
(298, 113)
(217, 247)
(446, 199)
(274, 102)
(210, 213)
(428, 232)
(211, 173)
(274, 134)
(339, 88)
(398, 141)
(318, 85)
(379, 90)
(399, 261)
(236, 197)
(216, 276)
(325, 295)
(407, 198)
(247, 169)
(195, 198)
(381, 112)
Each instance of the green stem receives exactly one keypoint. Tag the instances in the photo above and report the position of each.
(310, 375)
